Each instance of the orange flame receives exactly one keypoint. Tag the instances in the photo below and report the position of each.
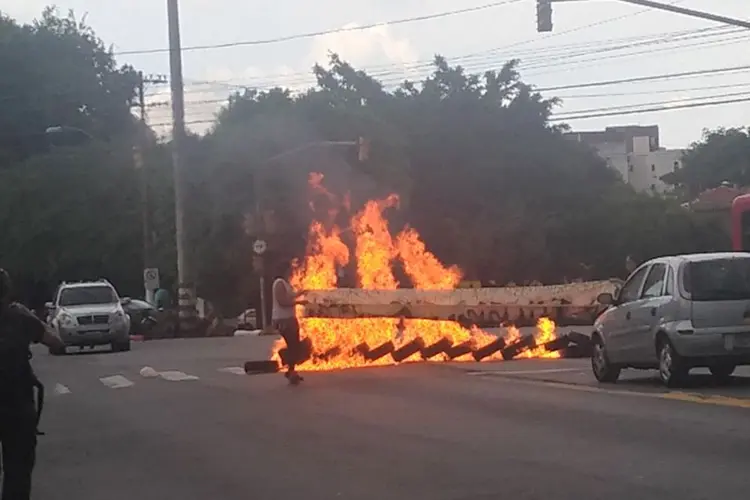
(375, 250)
(325, 251)
(336, 341)
(424, 269)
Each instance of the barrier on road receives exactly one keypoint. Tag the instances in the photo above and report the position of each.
(568, 304)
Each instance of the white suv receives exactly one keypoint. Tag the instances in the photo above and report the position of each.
(89, 314)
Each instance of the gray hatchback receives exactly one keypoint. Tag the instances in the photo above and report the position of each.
(674, 314)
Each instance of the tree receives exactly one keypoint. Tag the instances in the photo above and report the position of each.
(56, 71)
(723, 155)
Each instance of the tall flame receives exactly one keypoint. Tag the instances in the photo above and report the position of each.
(424, 269)
(375, 250)
(336, 341)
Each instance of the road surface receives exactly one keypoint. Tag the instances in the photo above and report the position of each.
(520, 430)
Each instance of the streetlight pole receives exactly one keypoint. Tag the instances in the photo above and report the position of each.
(186, 285)
(363, 152)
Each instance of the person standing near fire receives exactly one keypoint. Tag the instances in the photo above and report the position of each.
(284, 319)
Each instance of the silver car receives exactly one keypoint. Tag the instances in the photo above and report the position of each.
(674, 314)
(89, 314)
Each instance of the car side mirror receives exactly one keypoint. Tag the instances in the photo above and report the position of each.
(606, 299)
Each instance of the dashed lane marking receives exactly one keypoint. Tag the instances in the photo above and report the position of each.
(116, 382)
(235, 370)
(175, 376)
(61, 389)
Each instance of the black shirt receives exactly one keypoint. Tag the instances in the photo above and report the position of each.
(19, 328)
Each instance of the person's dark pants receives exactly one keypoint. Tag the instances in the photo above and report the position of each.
(289, 330)
(18, 441)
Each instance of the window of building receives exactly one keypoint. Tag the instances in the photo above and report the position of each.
(653, 167)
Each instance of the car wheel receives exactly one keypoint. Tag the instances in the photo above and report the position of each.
(58, 351)
(122, 346)
(672, 369)
(722, 372)
(603, 369)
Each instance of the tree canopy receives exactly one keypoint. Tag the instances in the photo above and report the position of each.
(722, 155)
(489, 183)
(57, 72)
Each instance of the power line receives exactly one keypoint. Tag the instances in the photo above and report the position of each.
(555, 118)
(646, 78)
(395, 77)
(623, 107)
(315, 34)
(484, 55)
(653, 107)
(651, 92)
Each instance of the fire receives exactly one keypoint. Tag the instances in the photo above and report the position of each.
(375, 249)
(349, 343)
(424, 269)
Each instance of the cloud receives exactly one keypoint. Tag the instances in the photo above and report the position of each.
(361, 48)
(377, 45)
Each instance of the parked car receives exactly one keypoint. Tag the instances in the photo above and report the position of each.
(148, 320)
(141, 314)
(674, 314)
(88, 314)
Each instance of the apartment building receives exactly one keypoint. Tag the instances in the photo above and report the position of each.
(634, 151)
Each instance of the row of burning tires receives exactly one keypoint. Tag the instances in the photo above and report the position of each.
(570, 345)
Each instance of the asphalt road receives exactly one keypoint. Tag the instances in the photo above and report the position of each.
(520, 430)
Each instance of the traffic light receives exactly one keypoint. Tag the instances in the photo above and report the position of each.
(544, 16)
(363, 152)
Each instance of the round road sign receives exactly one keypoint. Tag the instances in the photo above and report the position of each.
(260, 247)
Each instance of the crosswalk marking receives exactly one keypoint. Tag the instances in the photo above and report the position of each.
(61, 389)
(116, 382)
(175, 376)
(235, 370)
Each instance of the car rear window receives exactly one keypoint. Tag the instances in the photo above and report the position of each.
(720, 279)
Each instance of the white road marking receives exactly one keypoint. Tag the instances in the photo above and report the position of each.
(524, 372)
(235, 370)
(116, 382)
(175, 376)
(61, 389)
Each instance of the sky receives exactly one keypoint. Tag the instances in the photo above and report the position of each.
(580, 50)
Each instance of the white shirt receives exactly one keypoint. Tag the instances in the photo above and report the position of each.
(278, 311)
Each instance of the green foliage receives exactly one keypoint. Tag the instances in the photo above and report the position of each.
(483, 176)
(723, 155)
(57, 72)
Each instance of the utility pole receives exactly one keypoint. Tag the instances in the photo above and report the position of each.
(544, 13)
(149, 266)
(186, 285)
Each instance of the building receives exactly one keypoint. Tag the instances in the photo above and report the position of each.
(635, 153)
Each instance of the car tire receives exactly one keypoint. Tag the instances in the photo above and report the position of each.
(58, 351)
(604, 370)
(722, 372)
(672, 368)
(122, 346)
